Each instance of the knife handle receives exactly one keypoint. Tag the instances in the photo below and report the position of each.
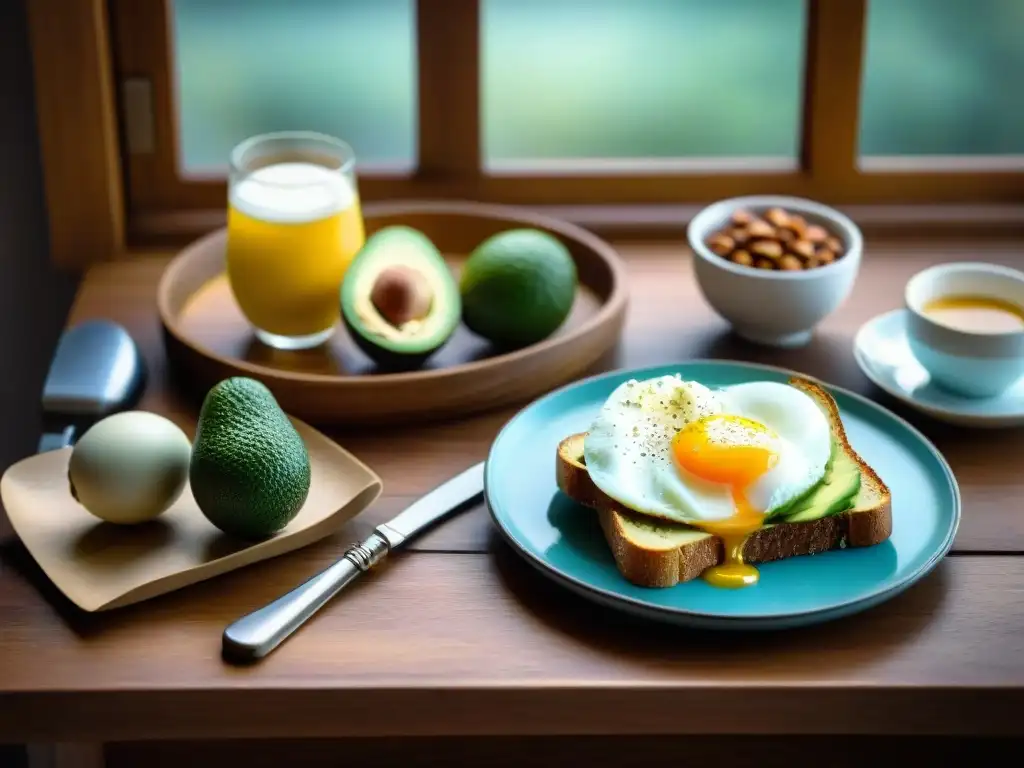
(256, 634)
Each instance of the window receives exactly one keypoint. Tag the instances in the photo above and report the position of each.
(567, 102)
(341, 68)
(641, 81)
(942, 83)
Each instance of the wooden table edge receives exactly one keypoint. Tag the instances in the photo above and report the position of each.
(546, 710)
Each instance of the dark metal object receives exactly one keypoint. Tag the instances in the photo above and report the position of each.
(97, 370)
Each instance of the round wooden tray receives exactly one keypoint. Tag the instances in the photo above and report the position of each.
(208, 339)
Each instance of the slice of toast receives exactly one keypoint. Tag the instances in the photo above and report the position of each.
(656, 553)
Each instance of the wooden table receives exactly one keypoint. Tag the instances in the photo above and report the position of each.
(458, 637)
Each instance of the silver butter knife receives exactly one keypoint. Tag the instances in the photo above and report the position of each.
(256, 634)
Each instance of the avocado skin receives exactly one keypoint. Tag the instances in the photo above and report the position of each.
(249, 471)
(388, 360)
(518, 287)
(393, 245)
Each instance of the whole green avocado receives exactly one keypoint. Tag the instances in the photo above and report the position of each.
(518, 287)
(249, 470)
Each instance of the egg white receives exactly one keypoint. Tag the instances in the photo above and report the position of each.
(804, 435)
(628, 447)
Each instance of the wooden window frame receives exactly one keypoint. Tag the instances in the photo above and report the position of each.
(90, 54)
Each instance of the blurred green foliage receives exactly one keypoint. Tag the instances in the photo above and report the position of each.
(598, 78)
(645, 78)
(343, 67)
(943, 77)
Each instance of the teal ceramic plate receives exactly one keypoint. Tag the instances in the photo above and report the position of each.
(563, 540)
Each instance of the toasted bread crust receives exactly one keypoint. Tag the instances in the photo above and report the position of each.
(867, 473)
(656, 568)
(668, 567)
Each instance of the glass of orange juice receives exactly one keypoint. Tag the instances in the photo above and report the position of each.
(294, 225)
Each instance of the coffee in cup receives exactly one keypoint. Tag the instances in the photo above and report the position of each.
(975, 314)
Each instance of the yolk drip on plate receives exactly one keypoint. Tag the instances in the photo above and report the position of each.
(735, 452)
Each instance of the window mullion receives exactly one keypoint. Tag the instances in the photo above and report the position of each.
(835, 45)
(448, 52)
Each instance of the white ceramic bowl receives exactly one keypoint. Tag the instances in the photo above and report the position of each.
(774, 307)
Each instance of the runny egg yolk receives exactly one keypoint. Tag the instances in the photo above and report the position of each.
(732, 451)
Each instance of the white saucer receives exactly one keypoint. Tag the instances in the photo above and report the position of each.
(882, 352)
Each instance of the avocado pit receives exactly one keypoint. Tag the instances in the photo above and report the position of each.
(401, 294)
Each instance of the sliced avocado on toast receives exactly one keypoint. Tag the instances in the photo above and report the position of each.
(836, 492)
(850, 507)
(809, 500)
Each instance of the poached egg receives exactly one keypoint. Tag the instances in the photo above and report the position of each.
(721, 460)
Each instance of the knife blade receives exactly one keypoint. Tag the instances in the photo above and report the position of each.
(256, 634)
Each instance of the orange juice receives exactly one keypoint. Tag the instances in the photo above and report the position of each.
(293, 229)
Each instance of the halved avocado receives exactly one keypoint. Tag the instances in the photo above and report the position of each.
(399, 300)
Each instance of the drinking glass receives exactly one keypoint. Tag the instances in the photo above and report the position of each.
(294, 225)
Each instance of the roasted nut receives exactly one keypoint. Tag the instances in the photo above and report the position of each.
(769, 248)
(743, 258)
(759, 228)
(803, 248)
(742, 217)
(778, 217)
(721, 244)
(775, 239)
(816, 234)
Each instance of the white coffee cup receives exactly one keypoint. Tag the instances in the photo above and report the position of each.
(969, 363)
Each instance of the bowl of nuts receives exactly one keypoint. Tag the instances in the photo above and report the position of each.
(774, 267)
